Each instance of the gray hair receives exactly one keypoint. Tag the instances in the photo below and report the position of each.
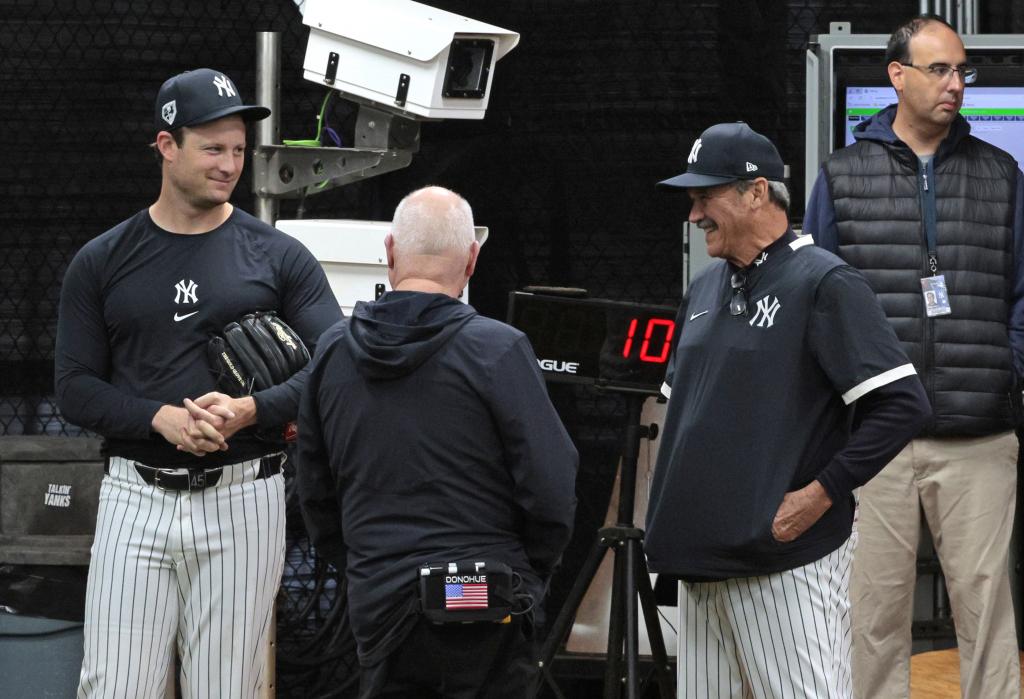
(431, 221)
(778, 193)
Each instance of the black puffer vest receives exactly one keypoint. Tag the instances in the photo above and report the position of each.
(963, 358)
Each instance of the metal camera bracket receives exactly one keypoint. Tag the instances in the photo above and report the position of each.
(383, 142)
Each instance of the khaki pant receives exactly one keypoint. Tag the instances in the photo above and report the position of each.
(967, 488)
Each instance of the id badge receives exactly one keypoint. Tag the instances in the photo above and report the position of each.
(936, 298)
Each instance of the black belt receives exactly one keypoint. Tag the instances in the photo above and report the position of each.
(197, 479)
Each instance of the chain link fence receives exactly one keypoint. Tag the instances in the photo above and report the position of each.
(600, 100)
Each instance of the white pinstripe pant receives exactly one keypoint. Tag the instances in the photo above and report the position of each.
(201, 566)
(773, 636)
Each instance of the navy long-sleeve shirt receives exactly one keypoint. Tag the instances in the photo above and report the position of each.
(764, 403)
(138, 305)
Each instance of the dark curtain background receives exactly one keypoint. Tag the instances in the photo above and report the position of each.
(600, 100)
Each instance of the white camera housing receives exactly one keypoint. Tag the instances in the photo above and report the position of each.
(403, 56)
(351, 254)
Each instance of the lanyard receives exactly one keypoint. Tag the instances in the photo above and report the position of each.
(930, 219)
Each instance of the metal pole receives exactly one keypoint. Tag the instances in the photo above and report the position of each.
(961, 16)
(971, 18)
(926, 7)
(268, 91)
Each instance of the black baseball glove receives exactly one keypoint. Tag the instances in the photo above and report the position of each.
(257, 352)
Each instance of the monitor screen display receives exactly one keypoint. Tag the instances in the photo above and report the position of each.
(996, 114)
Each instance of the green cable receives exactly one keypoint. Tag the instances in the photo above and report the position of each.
(313, 142)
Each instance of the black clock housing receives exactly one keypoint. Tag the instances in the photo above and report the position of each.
(612, 344)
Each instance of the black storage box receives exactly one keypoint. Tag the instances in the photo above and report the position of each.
(49, 495)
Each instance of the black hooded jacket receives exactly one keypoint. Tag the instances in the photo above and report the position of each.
(426, 435)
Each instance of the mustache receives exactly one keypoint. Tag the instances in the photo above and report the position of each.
(705, 224)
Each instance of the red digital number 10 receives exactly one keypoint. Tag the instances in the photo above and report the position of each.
(645, 354)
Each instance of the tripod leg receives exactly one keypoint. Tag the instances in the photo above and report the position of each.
(666, 683)
(613, 663)
(633, 553)
(563, 622)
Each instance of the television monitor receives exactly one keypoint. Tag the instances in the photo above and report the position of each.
(994, 105)
(846, 73)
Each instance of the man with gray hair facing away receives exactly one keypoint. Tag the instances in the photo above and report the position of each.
(427, 443)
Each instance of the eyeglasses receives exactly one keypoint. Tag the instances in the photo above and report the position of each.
(738, 305)
(943, 71)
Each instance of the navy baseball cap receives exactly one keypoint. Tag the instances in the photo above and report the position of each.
(726, 153)
(200, 96)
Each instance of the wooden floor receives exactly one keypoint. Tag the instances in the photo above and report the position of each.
(936, 675)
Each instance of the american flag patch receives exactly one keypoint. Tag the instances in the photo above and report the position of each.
(465, 596)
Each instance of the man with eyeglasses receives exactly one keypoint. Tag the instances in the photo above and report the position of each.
(787, 389)
(933, 217)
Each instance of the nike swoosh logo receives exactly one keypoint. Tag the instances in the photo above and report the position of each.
(697, 315)
(178, 318)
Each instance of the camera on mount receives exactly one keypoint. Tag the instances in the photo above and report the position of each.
(404, 57)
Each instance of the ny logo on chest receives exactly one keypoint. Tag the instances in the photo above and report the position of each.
(185, 292)
(767, 307)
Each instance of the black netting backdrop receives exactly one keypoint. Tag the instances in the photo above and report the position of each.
(601, 99)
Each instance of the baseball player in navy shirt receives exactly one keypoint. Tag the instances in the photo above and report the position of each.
(189, 544)
(787, 390)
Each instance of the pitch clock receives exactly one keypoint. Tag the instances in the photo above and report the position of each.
(614, 344)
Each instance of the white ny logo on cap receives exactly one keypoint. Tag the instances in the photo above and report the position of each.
(693, 151)
(224, 85)
(751, 167)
